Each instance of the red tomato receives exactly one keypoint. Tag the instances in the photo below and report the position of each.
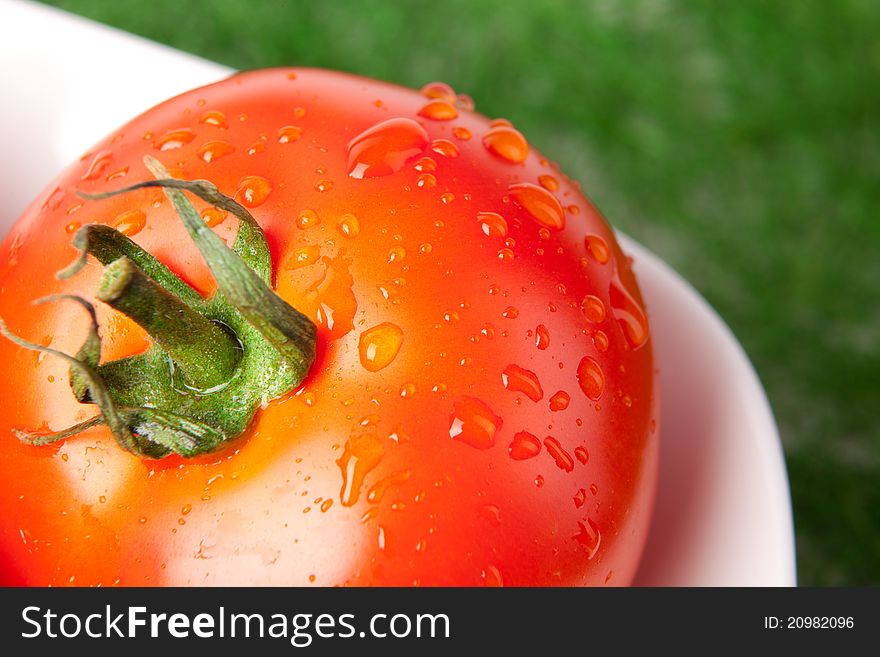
(482, 407)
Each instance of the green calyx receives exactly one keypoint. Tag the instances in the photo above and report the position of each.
(214, 361)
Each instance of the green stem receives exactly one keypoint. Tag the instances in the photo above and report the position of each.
(205, 354)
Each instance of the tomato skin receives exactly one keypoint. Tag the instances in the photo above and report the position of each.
(362, 476)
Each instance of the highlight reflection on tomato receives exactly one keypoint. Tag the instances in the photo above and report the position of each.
(482, 407)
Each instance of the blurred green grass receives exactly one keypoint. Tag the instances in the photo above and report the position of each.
(738, 140)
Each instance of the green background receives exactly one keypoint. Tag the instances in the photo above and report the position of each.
(738, 140)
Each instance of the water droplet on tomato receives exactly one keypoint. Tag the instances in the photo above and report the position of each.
(507, 143)
(439, 110)
(542, 337)
(385, 148)
(593, 309)
(491, 513)
(582, 454)
(473, 423)
(426, 180)
(492, 224)
(540, 204)
(174, 139)
(524, 446)
(510, 312)
(257, 147)
(589, 537)
(407, 390)
(438, 91)
(563, 459)
(590, 378)
(252, 191)
(362, 453)
(579, 498)
(213, 216)
(98, 165)
(465, 102)
(348, 225)
(600, 341)
(324, 185)
(214, 150)
(518, 379)
(396, 254)
(506, 255)
(130, 222)
(425, 164)
(629, 313)
(492, 577)
(72, 227)
(303, 256)
(548, 182)
(325, 505)
(559, 401)
(539, 481)
(214, 118)
(445, 198)
(598, 248)
(462, 133)
(379, 346)
(377, 491)
(444, 147)
(307, 219)
(289, 134)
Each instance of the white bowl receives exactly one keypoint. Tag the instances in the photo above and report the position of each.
(723, 514)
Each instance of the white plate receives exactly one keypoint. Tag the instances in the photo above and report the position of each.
(723, 515)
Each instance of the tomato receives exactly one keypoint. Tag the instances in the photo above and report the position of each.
(482, 406)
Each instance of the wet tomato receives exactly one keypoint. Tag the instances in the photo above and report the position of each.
(481, 409)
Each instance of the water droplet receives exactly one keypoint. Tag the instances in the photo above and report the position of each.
(582, 454)
(600, 341)
(446, 198)
(130, 222)
(303, 256)
(593, 309)
(506, 255)
(540, 204)
(465, 102)
(362, 453)
(379, 346)
(396, 254)
(492, 224)
(324, 185)
(518, 379)
(488, 331)
(329, 299)
(425, 164)
(214, 118)
(325, 505)
(542, 337)
(462, 133)
(507, 143)
(213, 216)
(369, 420)
(591, 378)
(579, 498)
(589, 537)
(451, 316)
(439, 110)
(426, 180)
(377, 491)
(174, 139)
(307, 219)
(492, 577)
(539, 481)
(559, 401)
(510, 312)
(407, 390)
(438, 91)
(348, 225)
(252, 191)
(524, 446)
(98, 165)
(473, 423)
(257, 147)
(214, 150)
(598, 248)
(72, 227)
(548, 182)
(186, 509)
(385, 148)
(629, 313)
(563, 459)
(491, 513)
(289, 134)
(113, 175)
(444, 147)
(594, 489)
